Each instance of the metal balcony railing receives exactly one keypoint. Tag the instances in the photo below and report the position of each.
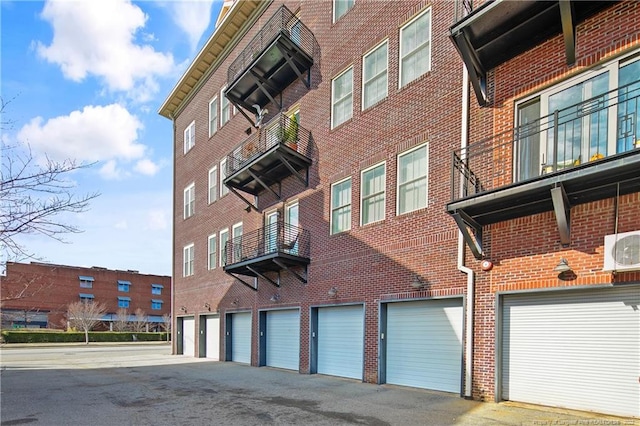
(575, 136)
(282, 22)
(281, 130)
(277, 238)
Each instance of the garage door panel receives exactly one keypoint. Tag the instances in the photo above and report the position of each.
(424, 344)
(283, 339)
(188, 336)
(341, 341)
(577, 349)
(241, 337)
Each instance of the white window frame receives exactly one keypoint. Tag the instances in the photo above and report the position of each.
(213, 184)
(190, 136)
(374, 78)
(189, 200)
(222, 244)
(334, 208)
(425, 176)
(402, 54)
(223, 175)
(382, 164)
(236, 238)
(188, 257)
(335, 102)
(213, 116)
(212, 251)
(225, 108)
(336, 18)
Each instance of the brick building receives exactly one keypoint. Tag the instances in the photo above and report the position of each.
(314, 188)
(36, 295)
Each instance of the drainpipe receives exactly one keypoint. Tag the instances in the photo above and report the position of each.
(468, 350)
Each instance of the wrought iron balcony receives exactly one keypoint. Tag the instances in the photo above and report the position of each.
(275, 247)
(278, 150)
(498, 31)
(280, 53)
(586, 152)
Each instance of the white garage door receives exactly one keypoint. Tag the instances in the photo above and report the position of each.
(573, 349)
(283, 339)
(212, 350)
(188, 336)
(241, 337)
(341, 341)
(424, 344)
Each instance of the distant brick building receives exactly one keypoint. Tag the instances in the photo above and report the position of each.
(36, 295)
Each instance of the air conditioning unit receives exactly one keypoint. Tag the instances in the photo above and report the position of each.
(622, 251)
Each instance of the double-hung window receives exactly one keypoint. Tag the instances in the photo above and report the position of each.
(213, 184)
(189, 137)
(156, 289)
(342, 98)
(156, 304)
(340, 7)
(85, 297)
(124, 285)
(124, 302)
(85, 281)
(412, 180)
(374, 75)
(187, 260)
(212, 244)
(213, 116)
(236, 241)
(189, 200)
(225, 108)
(415, 48)
(224, 237)
(373, 194)
(341, 206)
(223, 175)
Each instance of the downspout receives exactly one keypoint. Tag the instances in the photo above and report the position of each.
(470, 301)
(174, 320)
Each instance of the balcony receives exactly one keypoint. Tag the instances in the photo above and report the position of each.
(500, 30)
(588, 151)
(273, 248)
(280, 149)
(278, 55)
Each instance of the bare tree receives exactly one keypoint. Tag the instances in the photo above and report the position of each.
(166, 324)
(23, 287)
(34, 194)
(121, 320)
(85, 315)
(140, 321)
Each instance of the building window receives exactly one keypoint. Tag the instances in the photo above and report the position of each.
(189, 200)
(223, 175)
(85, 282)
(342, 98)
(213, 116)
(213, 184)
(374, 76)
(373, 194)
(341, 206)
(156, 289)
(156, 304)
(224, 237)
(412, 180)
(340, 7)
(187, 256)
(213, 252)
(123, 302)
(84, 297)
(124, 285)
(189, 137)
(415, 48)
(225, 108)
(236, 242)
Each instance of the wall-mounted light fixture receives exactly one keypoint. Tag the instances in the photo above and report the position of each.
(417, 282)
(332, 292)
(235, 302)
(563, 266)
(207, 306)
(183, 308)
(275, 297)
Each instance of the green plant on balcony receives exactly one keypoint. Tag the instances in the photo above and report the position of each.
(289, 133)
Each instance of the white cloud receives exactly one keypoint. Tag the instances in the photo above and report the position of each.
(146, 167)
(99, 38)
(192, 17)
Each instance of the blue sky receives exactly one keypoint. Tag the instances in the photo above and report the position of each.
(85, 80)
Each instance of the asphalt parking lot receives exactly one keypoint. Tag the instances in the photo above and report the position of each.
(144, 385)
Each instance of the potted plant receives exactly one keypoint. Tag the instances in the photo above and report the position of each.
(290, 133)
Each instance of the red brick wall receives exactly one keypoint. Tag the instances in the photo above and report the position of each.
(51, 288)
